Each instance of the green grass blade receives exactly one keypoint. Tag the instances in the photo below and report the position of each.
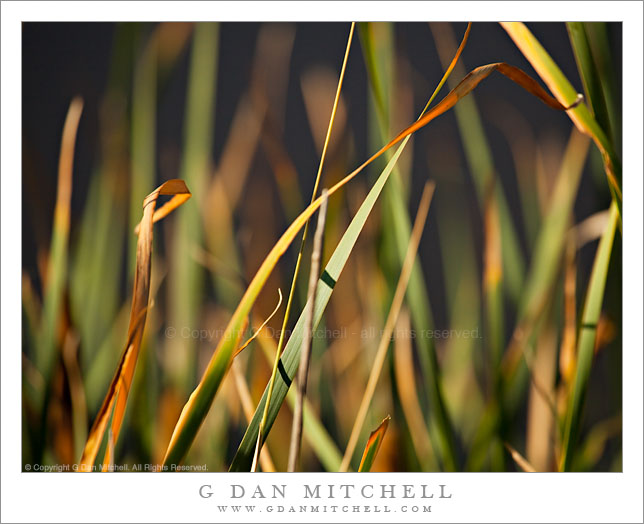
(58, 255)
(597, 33)
(586, 339)
(315, 433)
(186, 281)
(143, 138)
(290, 358)
(588, 73)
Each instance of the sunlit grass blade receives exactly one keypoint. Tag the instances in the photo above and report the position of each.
(373, 445)
(58, 254)
(564, 91)
(315, 433)
(586, 339)
(116, 398)
(392, 317)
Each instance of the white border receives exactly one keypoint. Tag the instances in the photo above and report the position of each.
(476, 497)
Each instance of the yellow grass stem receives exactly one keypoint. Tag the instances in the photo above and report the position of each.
(289, 302)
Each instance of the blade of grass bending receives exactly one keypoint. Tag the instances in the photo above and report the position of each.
(117, 394)
(586, 339)
(563, 90)
(392, 317)
(280, 344)
(198, 404)
(58, 253)
(373, 446)
(303, 372)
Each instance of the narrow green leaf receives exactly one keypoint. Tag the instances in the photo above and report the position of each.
(586, 338)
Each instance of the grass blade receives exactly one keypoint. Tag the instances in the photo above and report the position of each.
(186, 282)
(392, 317)
(586, 338)
(373, 445)
(117, 394)
(315, 433)
(58, 254)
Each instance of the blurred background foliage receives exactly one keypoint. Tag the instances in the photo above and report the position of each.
(240, 111)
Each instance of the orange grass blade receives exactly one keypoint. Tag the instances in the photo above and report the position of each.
(197, 407)
(119, 387)
(373, 445)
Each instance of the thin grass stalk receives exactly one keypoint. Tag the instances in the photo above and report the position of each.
(303, 372)
(586, 339)
(289, 301)
(392, 317)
